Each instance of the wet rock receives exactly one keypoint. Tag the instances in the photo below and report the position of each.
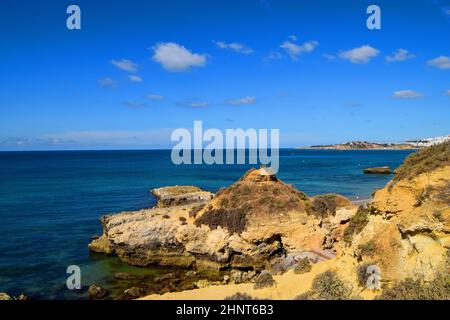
(134, 292)
(127, 276)
(165, 277)
(97, 292)
(168, 288)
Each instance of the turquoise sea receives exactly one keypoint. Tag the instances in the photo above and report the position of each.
(50, 203)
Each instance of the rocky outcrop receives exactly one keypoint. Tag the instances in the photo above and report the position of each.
(245, 226)
(404, 231)
(407, 227)
(377, 170)
(97, 292)
(180, 195)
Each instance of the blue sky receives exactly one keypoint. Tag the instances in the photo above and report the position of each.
(139, 69)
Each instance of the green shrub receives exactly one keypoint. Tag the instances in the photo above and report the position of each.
(327, 286)
(324, 205)
(264, 280)
(303, 266)
(410, 289)
(234, 220)
(356, 223)
(443, 194)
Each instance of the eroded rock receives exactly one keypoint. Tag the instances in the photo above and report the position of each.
(97, 292)
(180, 195)
(255, 220)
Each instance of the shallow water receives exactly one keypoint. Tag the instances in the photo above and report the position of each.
(50, 203)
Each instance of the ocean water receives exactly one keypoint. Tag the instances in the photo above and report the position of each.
(50, 203)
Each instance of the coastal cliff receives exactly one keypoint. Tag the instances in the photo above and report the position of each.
(249, 226)
(404, 231)
(307, 245)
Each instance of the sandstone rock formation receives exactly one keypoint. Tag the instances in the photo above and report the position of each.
(247, 225)
(407, 226)
(404, 230)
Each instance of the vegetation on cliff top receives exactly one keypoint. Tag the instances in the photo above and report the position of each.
(303, 266)
(424, 160)
(254, 195)
(264, 280)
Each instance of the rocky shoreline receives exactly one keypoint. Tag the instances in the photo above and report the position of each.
(261, 238)
(259, 234)
(257, 223)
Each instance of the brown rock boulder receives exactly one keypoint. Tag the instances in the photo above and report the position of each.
(378, 170)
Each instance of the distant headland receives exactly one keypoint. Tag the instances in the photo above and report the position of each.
(365, 145)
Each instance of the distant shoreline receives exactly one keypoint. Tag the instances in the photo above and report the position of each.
(356, 149)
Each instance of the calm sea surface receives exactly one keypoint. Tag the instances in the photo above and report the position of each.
(50, 203)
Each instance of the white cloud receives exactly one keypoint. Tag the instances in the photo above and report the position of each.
(447, 93)
(362, 54)
(294, 50)
(238, 47)
(122, 139)
(441, 62)
(154, 97)
(15, 141)
(125, 65)
(193, 104)
(407, 94)
(200, 104)
(242, 101)
(135, 78)
(400, 55)
(107, 83)
(174, 57)
(134, 105)
(273, 55)
(329, 56)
